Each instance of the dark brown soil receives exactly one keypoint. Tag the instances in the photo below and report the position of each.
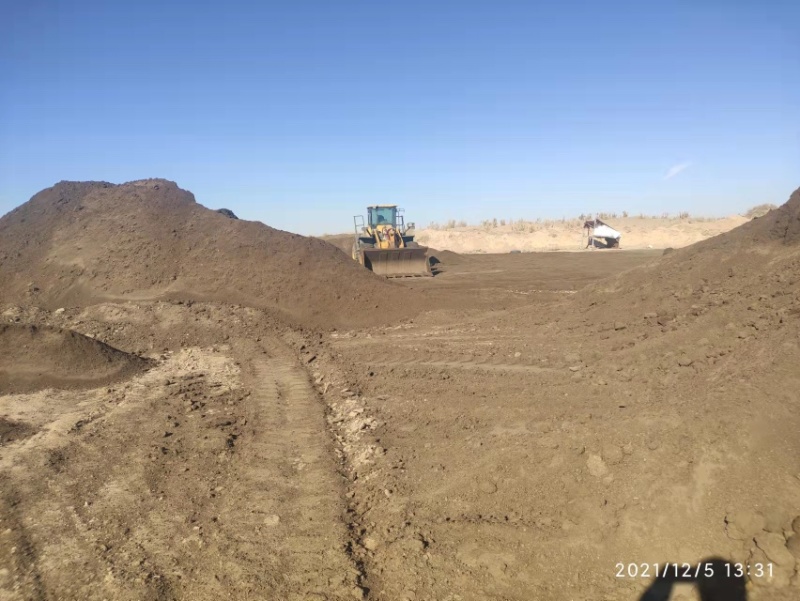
(447, 257)
(344, 242)
(13, 430)
(38, 357)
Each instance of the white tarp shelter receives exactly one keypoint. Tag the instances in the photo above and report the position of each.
(601, 235)
(605, 231)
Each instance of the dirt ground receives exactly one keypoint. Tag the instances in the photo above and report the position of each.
(540, 419)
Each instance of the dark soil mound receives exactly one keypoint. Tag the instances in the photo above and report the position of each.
(445, 257)
(82, 243)
(781, 224)
(344, 242)
(34, 358)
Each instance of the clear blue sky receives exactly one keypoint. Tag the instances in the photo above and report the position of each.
(299, 113)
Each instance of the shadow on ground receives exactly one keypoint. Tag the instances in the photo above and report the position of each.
(712, 578)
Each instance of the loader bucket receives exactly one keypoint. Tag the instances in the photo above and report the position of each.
(398, 262)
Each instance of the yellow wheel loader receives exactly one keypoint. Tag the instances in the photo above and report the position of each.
(386, 246)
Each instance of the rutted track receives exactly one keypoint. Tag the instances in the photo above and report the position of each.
(489, 366)
(288, 482)
(436, 350)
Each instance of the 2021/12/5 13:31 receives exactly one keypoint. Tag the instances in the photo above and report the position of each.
(688, 571)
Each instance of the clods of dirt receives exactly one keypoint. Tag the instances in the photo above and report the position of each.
(12, 430)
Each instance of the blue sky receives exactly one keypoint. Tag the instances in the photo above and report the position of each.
(299, 113)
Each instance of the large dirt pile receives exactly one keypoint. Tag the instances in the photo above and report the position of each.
(34, 358)
(83, 242)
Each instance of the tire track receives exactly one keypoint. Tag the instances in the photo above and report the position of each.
(17, 553)
(517, 367)
(287, 499)
(408, 355)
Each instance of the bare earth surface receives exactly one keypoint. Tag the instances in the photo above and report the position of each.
(510, 429)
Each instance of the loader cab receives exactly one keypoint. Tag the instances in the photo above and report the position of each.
(382, 215)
